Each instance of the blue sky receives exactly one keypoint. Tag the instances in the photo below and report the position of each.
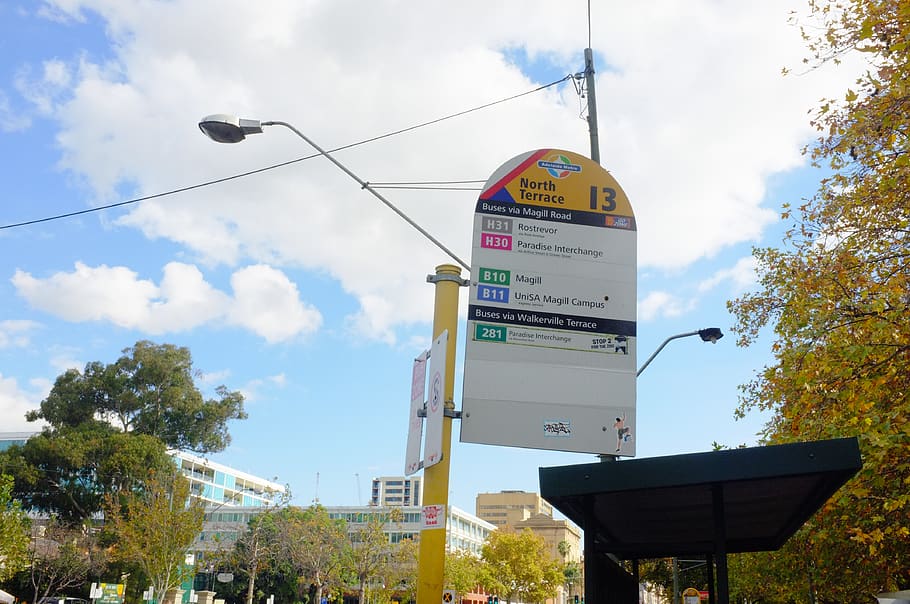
(303, 291)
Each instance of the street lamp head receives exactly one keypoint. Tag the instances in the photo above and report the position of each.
(710, 334)
(224, 128)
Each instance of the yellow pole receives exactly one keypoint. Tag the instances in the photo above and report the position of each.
(431, 560)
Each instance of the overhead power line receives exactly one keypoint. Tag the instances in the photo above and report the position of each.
(416, 185)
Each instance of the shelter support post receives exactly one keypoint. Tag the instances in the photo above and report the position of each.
(591, 574)
(712, 591)
(720, 544)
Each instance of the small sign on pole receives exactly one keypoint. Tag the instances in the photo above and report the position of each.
(432, 453)
(415, 421)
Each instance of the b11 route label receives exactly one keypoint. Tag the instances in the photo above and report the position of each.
(552, 308)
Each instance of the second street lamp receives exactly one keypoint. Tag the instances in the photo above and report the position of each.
(709, 334)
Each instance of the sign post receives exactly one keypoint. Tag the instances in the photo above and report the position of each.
(551, 343)
(431, 557)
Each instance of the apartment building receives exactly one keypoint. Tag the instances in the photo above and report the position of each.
(392, 491)
(506, 508)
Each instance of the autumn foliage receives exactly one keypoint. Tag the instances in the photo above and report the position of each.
(836, 295)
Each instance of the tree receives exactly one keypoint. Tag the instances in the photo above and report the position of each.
(462, 571)
(61, 557)
(154, 527)
(110, 424)
(368, 549)
(261, 547)
(518, 566)
(836, 296)
(14, 531)
(68, 473)
(571, 569)
(315, 545)
(149, 390)
(400, 576)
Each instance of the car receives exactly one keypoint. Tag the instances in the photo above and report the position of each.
(62, 600)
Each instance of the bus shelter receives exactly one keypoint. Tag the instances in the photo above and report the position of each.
(699, 504)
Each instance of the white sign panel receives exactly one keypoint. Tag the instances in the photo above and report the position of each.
(433, 517)
(415, 422)
(432, 454)
(550, 352)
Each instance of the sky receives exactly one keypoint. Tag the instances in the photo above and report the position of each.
(300, 289)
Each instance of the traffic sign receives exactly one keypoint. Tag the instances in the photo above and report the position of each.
(550, 353)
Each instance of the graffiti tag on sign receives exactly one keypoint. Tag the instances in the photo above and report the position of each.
(559, 428)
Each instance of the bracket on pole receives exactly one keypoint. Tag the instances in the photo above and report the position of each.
(453, 413)
(454, 278)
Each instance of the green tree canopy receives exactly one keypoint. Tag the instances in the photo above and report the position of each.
(14, 531)
(67, 473)
(518, 566)
(149, 390)
(154, 527)
(315, 544)
(836, 296)
(462, 571)
(110, 425)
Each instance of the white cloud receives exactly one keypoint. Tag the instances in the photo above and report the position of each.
(11, 120)
(662, 304)
(44, 91)
(268, 303)
(15, 333)
(741, 276)
(264, 300)
(691, 127)
(14, 403)
(214, 378)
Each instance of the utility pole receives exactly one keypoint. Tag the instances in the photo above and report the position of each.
(592, 105)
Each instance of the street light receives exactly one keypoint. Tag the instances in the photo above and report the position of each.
(224, 128)
(709, 334)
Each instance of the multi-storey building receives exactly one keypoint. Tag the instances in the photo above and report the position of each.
(8, 439)
(396, 491)
(520, 510)
(465, 532)
(506, 508)
(220, 485)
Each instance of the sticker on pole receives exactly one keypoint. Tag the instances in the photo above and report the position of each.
(433, 517)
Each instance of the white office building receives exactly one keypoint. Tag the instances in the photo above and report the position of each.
(217, 484)
(465, 532)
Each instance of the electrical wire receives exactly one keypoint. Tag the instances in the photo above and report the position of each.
(589, 23)
(287, 163)
(433, 185)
